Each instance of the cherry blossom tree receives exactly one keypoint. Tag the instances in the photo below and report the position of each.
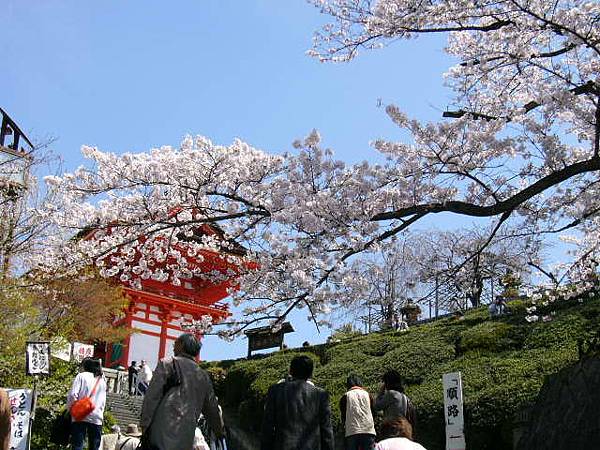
(391, 278)
(525, 136)
(519, 144)
(468, 269)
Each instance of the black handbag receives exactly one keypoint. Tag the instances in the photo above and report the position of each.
(173, 380)
(60, 431)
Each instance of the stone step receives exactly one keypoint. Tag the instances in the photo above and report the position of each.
(124, 408)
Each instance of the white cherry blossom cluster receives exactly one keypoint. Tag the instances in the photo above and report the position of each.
(198, 327)
(521, 143)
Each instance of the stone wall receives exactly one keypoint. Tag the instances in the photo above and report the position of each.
(566, 415)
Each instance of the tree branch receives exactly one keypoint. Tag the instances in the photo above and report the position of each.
(511, 203)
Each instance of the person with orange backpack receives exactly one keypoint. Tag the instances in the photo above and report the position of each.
(86, 401)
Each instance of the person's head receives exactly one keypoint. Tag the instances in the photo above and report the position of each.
(393, 381)
(353, 381)
(133, 430)
(142, 362)
(187, 344)
(397, 427)
(301, 367)
(92, 365)
(115, 429)
(133, 363)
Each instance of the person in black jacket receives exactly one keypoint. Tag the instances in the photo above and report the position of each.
(132, 374)
(297, 414)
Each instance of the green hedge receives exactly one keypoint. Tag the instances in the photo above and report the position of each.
(504, 363)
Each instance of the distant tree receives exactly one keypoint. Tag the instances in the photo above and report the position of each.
(25, 228)
(391, 278)
(81, 309)
(466, 265)
(346, 331)
(511, 282)
(20, 322)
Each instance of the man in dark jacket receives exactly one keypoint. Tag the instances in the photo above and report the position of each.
(132, 374)
(297, 413)
(178, 393)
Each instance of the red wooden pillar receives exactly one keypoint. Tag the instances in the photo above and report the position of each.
(128, 325)
(165, 318)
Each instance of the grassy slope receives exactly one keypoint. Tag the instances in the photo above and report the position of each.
(503, 363)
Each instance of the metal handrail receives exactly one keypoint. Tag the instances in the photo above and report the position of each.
(9, 124)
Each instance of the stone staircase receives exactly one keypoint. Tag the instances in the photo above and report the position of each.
(125, 408)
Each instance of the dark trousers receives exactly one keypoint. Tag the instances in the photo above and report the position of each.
(142, 387)
(360, 442)
(78, 432)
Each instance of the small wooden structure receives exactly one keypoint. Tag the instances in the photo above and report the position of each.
(15, 150)
(264, 337)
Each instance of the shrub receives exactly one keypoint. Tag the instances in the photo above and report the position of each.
(503, 362)
(491, 336)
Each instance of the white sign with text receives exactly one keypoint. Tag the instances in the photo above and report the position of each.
(81, 351)
(21, 401)
(38, 358)
(453, 411)
(61, 349)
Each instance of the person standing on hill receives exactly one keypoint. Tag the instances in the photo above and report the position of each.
(393, 401)
(144, 376)
(357, 418)
(297, 415)
(132, 377)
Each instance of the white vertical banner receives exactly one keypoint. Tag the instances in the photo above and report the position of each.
(21, 403)
(453, 411)
(61, 348)
(81, 351)
(38, 358)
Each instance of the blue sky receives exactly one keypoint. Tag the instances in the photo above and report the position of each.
(128, 76)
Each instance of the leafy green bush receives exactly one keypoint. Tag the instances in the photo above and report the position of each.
(491, 336)
(503, 362)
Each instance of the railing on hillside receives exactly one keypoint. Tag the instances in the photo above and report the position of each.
(116, 381)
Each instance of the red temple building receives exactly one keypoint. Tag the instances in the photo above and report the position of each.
(159, 311)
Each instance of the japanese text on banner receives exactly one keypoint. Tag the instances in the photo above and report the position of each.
(20, 407)
(38, 358)
(81, 351)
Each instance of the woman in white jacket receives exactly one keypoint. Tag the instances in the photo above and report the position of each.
(88, 383)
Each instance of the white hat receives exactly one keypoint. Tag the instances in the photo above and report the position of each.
(133, 430)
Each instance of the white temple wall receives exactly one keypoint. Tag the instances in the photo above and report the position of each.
(143, 346)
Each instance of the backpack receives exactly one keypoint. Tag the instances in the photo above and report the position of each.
(83, 407)
(411, 413)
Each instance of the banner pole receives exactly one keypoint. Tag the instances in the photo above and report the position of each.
(33, 406)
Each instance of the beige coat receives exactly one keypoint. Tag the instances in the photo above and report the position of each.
(4, 420)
